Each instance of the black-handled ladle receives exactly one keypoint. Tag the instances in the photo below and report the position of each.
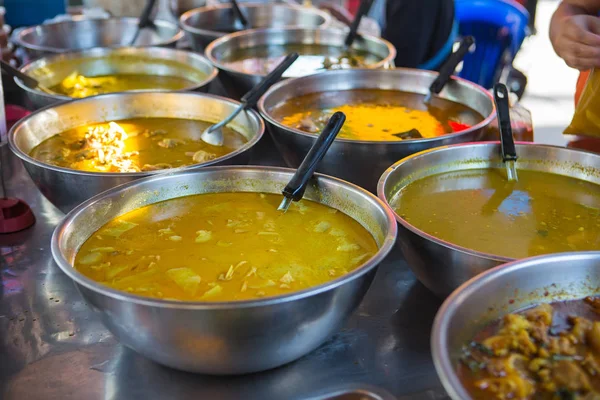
(26, 79)
(363, 9)
(145, 21)
(449, 66)
(297, 185)
(214, 135)
(239, 14)
(509, 152)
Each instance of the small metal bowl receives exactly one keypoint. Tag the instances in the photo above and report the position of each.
(237, 83)
(85, 33)
(202, 25)
(442, 266)
(500, 291)
(225, 338)
(51, 70)
(66, 188)
(363, 162)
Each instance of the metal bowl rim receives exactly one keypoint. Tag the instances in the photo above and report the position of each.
(16, 35)
(80, 279)
(27, 158)
(451, 246)
(107, 51)
(439, 346)
(208, 52)
(267, 116)
(186, 27)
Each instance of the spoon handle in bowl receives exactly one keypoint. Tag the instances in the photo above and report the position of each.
(448, 68)
(509, 152)
(250, 98)
(363, 9)
(297, 185)
(145, 19)
(237, 12)
(15, 73)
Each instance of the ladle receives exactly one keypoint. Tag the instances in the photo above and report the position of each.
(509, 153)
(214, 135)
(239, 14)
(294, 190)
(363, 9)
(26, 79)
(449, 66)
(145, 21)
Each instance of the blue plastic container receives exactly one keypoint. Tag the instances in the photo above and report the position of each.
(499, 28)
(32, 12)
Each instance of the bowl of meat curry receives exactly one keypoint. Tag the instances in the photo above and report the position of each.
(81, 74)
(77, 149)
(458, 214)
(525, 330)
(199, 270)
(387, 119)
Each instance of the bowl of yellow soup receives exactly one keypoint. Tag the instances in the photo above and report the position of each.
(197, 270)
(382, 107)
(86, 73)
(244, 58)
(458, 215)
(77, 149)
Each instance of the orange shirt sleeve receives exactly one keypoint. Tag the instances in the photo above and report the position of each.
(580, 85)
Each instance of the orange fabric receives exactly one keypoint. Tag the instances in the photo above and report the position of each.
(580, 85)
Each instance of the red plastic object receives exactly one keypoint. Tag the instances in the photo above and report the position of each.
(15, 215)
(14, 114)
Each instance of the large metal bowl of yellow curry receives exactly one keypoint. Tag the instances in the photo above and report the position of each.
(386, 118)
(525, 330)
(86, 73)
(77, 149)
(458, 215)
(199, 271)
(244, 58)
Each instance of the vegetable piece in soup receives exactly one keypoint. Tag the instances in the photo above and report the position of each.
(224, 247)
(134, 145)
(548, 352)
(481, 210)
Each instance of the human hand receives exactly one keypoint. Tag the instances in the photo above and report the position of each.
(576, 39)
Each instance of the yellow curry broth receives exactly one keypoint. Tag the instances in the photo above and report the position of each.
(375, 115)
(78, 86)
(479, 209)
(132, 145)
(224, 246)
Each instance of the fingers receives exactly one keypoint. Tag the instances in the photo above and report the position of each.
(579, 42)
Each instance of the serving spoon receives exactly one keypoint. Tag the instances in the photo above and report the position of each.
(294, 190)
(509, 152)
(30, 82)
(214, 134)
(447, 69)
(363, 9)
(239, 15)
(145, 21)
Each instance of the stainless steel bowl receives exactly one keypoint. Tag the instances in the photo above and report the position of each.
(238, 83)
(85, 33)
(66, 188)
(51, 70)
(203, 25)
(363, 162)
(500, 291)
(443, 266)
(225, 337)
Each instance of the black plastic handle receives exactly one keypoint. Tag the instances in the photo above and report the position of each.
(12, 71)
(297, 185)
(237, 12)
(448, 68)
(145, 18)
(250, 98)
(509, 152)
(363, 9)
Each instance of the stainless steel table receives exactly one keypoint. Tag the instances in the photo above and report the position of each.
(52, 346)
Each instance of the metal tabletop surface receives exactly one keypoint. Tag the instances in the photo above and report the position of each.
(52, 346)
